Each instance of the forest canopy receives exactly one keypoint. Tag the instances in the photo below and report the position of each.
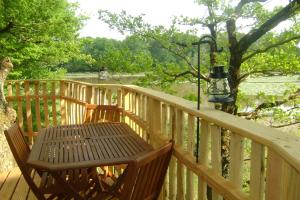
(39, 35)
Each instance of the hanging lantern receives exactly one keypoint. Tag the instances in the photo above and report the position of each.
(219, 90)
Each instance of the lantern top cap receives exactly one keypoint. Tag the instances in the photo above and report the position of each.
(218, 72)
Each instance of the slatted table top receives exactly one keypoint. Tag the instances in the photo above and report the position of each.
(86, 145)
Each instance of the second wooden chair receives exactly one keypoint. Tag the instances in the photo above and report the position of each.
(102, 113)
(143, 178)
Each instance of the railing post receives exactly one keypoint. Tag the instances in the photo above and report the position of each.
(154, 118)
(89, 94)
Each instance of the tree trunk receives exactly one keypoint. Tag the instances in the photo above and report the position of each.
(7, 117)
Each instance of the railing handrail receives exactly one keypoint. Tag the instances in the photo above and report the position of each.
(285, 144)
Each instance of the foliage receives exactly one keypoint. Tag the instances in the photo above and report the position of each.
(113, 56)
(39, 35)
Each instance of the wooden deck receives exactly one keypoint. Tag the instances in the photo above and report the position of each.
(274, 165)
(13, 186)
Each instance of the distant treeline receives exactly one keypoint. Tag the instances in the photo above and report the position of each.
(131, 55)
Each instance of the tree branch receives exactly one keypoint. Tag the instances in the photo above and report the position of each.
(284, 125)
(175, 76)
(282, 15)
(242, 3)
(265, 72)
(254, 114)
(259, 51)
(172, 51)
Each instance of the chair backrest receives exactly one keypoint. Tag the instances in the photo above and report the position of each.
(145, 176)
(21, 152)
(102, 113)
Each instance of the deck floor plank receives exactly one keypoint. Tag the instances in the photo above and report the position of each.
(10, 183)
(3, 177)
(37, 181)
(21, 191)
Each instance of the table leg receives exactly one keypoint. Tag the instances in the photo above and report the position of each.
(67, 186)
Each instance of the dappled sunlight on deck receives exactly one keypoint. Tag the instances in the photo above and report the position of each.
(13, 186)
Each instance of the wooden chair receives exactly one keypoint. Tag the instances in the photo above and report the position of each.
(42, 183)
(102, 113)
(143, 178)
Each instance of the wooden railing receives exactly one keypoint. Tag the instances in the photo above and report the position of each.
(265, 163)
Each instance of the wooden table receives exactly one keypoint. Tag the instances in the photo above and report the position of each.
(86, 145)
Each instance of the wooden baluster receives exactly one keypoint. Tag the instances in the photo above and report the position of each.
(278, 179)
(78, 106)
(136, 110)
(164, 119)
(293, 183)
(75, 118)
(28, 113)
(143, 115)
(37, 104)
(119, 98)
(258, 172)
(216, 155)
(20, 109)
(125, 103)
(190, 148)
(69, 103)
(63, 102)
(165, 189)
(236, 160)
(96, 96)
(139, 113)
(9, 92)
(103, 91)
(108, 97)
(130, 101)
(179, 139)
(130, 106)
(82, 97)
(133, 102)
(72, 104)
(172, 168)
(45, 99)
(54, 114)
(203, 158)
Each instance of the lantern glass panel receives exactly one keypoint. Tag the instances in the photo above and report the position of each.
(218, 89)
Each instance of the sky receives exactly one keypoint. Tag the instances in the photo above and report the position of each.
(157, 12)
